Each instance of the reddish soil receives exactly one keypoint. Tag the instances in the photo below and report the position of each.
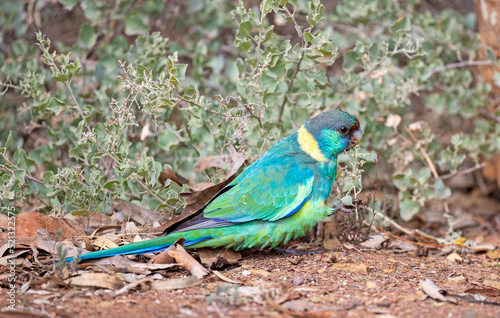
(290, 286)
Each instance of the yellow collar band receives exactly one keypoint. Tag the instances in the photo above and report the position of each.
(309, 145)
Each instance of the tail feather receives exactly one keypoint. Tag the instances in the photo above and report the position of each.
(149, 246)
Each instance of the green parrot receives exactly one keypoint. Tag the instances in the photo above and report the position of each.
(278, 197)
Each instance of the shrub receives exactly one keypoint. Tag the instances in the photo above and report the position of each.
(102, 116)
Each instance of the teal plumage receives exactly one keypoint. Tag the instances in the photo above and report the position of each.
(278, 197)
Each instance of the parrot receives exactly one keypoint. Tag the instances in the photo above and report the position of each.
(278, 197)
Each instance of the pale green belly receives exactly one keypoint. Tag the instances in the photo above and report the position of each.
(263, 233)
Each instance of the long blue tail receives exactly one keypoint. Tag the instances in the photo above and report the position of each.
(149, 246)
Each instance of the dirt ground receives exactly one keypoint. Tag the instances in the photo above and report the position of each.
(354, 282)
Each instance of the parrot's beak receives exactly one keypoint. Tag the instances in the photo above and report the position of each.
(355, 139)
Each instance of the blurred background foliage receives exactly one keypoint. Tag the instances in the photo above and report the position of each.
(100, 97)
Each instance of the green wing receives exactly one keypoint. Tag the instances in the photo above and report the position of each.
(269, 194)
(270, 191)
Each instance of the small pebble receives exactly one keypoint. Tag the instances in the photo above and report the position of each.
(297, 281)
(246, 273)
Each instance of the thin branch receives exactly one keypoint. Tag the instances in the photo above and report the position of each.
(301, 34)
(460, 64)
(27, 176)
(259, 95)
(490, 116)
(391, 221)
(7, 86)
(77, 106)
(199, 105)
(188, 132)
(290, 84)
(423, 152)
(430, 244)
(464, 171)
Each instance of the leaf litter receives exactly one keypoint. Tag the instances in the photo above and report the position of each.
(385, 274)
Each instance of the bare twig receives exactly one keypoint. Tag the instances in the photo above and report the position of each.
(290, 84)
(199, 105)
(464, 171)
(188, 132)
(423, 152)
(282, 309)
(77, 106)
(27, 176)
(490, 116)
(460, 64)
(428, 244)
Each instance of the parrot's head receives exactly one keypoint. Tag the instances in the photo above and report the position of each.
(329, 133)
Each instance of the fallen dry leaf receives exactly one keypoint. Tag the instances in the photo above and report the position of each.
(94, 220)
(105, 228)
(119, 263)
(28, 223)
(483, 247)
(282, 309)
(187, 261)
(5, 260)
(125, 289)
(4, 249)
(169, 174)
(163, 257)
(330, 229)
(288, 296)
(492, 283)
(45, 243)
(136, 213)
(225, 278)
(490, 292)
(99, 280)
(177, 283)
(494, 254)
(332, 244)
(104, 243)
(375, 241)
(216, 258)
(430, 289)
(234, 160)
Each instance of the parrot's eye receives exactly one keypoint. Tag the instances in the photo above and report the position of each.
(343, 129)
